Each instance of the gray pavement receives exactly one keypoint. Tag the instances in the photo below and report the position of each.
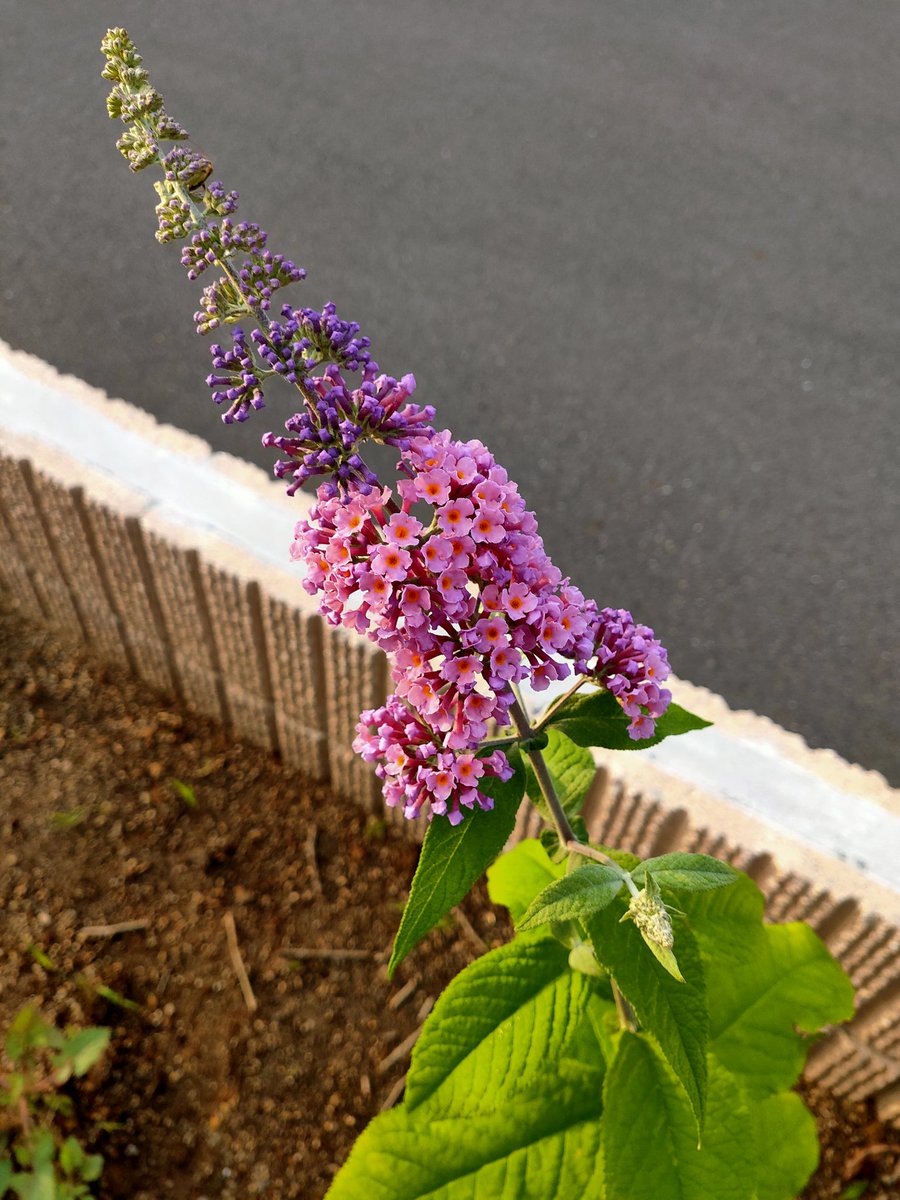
(649, 253)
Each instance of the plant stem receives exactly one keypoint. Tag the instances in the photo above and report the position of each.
(560, 701)
(576, 847)
(627, 1018)
(498, 743)
(564, 830)
(566, 835)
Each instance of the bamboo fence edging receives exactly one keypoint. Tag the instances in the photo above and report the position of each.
(171, 561)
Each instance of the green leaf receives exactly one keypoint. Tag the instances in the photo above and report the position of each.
(14, 1089)
(789, 1146)
(605, 1023)
(650, 1149)
(517, 876)
(453, 857)
(725, 922)
(626, 861)
(764, 982)
(675, 1013)
(502, 1108)
(29, 1031)
(596, 719)
(575, 897)
(582, 958)
(788, 983)
(527, 979)
(71, 1155)
(6, 1171)
(81, 1051)
(92, 1168)
(572, 770)
(664, 956)
(541, 1145)
(40, 1184)
(687, 872)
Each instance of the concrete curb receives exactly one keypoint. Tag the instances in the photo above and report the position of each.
(170, 560)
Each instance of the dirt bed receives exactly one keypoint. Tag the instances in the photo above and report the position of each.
(200, 1096)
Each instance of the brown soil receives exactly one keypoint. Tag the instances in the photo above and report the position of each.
(200, 1096)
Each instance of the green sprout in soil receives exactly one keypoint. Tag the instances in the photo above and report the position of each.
(36, 1163)
(41, 958)
(185, 792)
(70, 819)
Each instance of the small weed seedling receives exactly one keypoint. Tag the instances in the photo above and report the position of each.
(39, 1060)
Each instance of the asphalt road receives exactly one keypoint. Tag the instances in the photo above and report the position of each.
(650, 253)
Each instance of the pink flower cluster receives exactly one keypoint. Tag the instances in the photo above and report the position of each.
(416, 770)
(452, 580)
(631, 664)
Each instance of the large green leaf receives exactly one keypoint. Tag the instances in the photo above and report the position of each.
(453, 857)
(596, 719)
(650, 1149)
(575, 897)
(686, 872)
(789, 1146)
(764, 983)
(725, 922)
(516, 877)
(497, 1105)
(501, 985)
(539, 1146)
(572, 770)
(788, 983)
(674, 1012)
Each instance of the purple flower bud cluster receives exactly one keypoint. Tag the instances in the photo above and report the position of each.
(219, 302)
(465, 602)
(416, 771)
(185, 166)
(120, 52)
(264, 274)
(219, 201)
(208, 246)
(133, 106)
(306, 339)
(240, 382)
(333, 339)
(174, 219)
(168, 129)
(631, 664)
(229, 297)
(328, 433)
(137, 148)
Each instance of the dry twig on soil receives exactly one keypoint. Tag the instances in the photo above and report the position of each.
(404, 994)
(312, 859)
(394, 1094)
(469, 930)
(329, 953)
(237, 962)
(109, 931)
